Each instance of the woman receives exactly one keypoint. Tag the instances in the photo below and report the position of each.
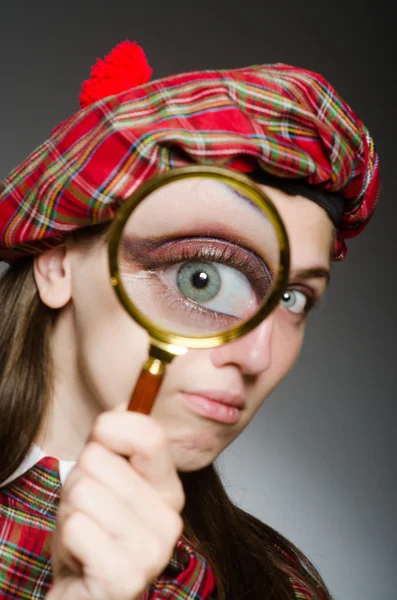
(159, 525)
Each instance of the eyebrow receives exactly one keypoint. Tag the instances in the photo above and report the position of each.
(312, 273)
(250, 203)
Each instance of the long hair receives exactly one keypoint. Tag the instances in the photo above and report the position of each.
(250, 560)
(25, 364)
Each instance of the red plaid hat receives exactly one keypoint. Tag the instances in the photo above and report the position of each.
(287, 121)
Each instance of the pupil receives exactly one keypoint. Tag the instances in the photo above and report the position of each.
(200, 279)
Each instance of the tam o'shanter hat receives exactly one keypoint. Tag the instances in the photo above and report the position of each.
(286, 121)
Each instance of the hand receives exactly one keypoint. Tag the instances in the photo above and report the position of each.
(118, 520)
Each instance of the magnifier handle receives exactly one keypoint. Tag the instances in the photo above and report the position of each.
(147, 386)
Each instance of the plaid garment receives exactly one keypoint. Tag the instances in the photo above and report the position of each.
(289, 121)
(28, 507)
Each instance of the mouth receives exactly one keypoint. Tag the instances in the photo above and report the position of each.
(217, 405)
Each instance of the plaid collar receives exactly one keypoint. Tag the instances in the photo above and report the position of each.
(33, 457)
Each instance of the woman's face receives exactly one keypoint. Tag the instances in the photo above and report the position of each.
(208, 396)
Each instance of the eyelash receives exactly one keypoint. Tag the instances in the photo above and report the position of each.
(312, 300)
(154, 258)
(222, 251)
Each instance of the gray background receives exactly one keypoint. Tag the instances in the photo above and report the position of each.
(319, 461)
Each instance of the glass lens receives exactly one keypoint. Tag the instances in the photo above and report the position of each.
(198, 256)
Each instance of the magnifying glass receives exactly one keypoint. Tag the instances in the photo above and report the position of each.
(198, 256)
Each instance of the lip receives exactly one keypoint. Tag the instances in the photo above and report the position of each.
(217, 405)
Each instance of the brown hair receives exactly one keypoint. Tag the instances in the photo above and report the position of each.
(25, 363)
(250, 559)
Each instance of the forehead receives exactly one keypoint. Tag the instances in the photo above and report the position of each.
(309, 228)
(204, 207)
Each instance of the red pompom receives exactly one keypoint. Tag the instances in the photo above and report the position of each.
(124, 68)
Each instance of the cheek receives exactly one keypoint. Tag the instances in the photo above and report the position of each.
(286, 346)
(113, 356)
(111, 347)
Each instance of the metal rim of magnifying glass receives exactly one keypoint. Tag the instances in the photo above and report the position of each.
(167, 340)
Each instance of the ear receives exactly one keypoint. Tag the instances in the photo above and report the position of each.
(53, 277)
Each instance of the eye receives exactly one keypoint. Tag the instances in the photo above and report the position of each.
(295, 301)
(215, 286)
(195, 284)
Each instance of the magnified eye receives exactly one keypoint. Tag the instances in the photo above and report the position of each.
(214, 286)
(195, 284)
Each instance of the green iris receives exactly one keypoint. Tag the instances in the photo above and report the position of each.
(289, 299)
(199, 281)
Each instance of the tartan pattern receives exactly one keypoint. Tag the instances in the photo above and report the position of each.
(289, 121)
(28, 507)
(27, 517)
(187, 577)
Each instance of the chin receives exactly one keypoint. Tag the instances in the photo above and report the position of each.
(189, 456)
(190, 464)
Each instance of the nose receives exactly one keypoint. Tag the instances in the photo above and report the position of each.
(251, 353)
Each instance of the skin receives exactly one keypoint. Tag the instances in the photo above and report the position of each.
(106, 520)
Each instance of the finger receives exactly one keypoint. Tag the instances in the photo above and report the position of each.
(119, 519)
(122, 407)
(118, 475)
(110, 571)
(143, 441)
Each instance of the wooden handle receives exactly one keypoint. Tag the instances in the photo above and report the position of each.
(146, 388)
